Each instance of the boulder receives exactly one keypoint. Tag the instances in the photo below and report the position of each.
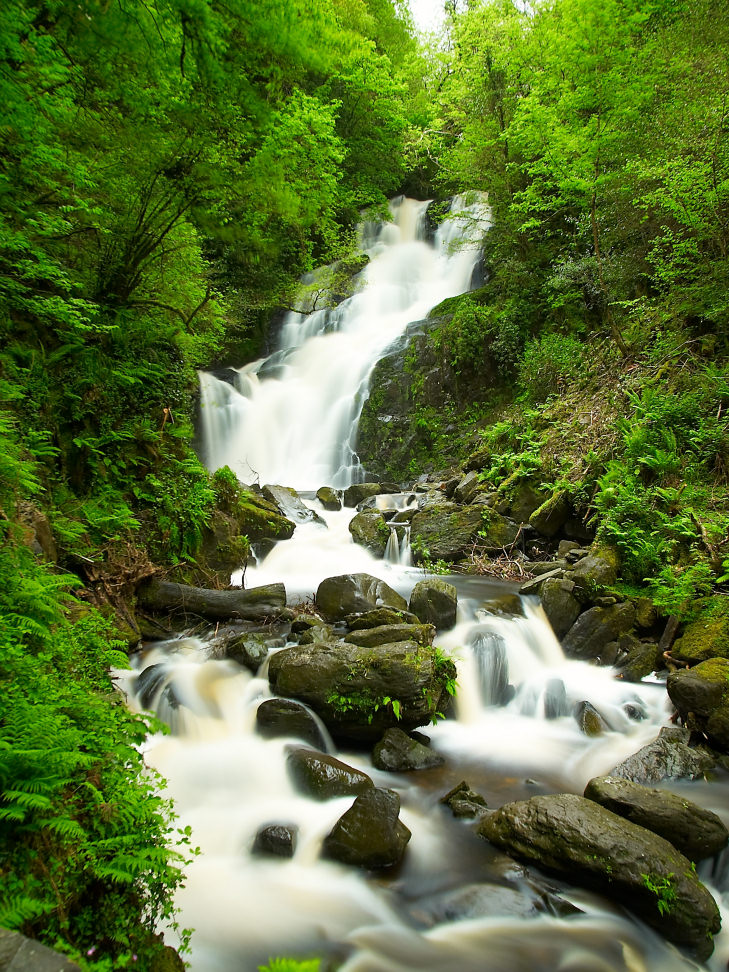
(522, 497)
(667, 757)
(555, 699)
(589, 719)
(398, 753)
(360, 692)
(304, 622)
(497, 532)
(275, 840)
(360, 491)
(337, 597)
(21, 954)
(283, 717)
(696, 832)
(370, 530)
(595, 628)
(445, 531)
(592, 574)
(289, 502)
(638, 659)
(379, 617)
(646, 614)
(370, 834)
(435, 602)
(703, 639)
(329, 498)
(317, 633)
(256, 602)
(261, 520)
(701, 694)
(549, 518)
(251, 650)
(463, 801)
(388, 634)
(589, 845)
(467, 488)
(324, 777)
(560, 604)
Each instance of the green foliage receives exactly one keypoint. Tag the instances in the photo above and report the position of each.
(364, 703)
(549, 363)
(291, 965)
(663, 889)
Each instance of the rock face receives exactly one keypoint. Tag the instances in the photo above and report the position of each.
(323, 777)
(282, 717)
(667, 757)
(370, 834)
(399, 753)
(328, 498)
(696, 832)
(388, 634)
(702, 694)
(590, 845)
(360, 692)
(446, 530)
(336, 597)
(435, 602)
(595, 628)
(560, 605)
(370, 531)
(275, 840)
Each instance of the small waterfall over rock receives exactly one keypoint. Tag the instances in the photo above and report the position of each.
(292, 417)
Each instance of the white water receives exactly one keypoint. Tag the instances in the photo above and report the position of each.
(292, 418)
(227, 781)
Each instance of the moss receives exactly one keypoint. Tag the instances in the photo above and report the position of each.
(707, 638)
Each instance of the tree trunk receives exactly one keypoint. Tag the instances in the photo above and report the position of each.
(250, 605)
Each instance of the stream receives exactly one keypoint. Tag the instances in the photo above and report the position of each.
(456, 903)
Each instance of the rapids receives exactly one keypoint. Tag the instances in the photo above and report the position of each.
(291, 419)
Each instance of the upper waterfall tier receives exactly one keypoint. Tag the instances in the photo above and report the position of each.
(292, 418)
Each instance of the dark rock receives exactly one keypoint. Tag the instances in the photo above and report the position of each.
(379, 617)
(370, 531)
(547, 567)
(446, 531)
(522, 497)
(696, 832)
(21, 954)
(641, 659)
(329, 498)
(549, 518)
(435, 602)
(323, 777)
(317, 633)
(251, 650)
(589, 719)
(592, 574)
(360, 491)
(591, 846)
(702, 695)
(288, 501)
(667, 757)
(467, 488)
(370, 834)
(283, 717)
(275, 840)
(480, 901)
(567, 546)
(498, 533)
(533, 586)
(355, 690)
(388, 634)
(337, 597)
(560, 605)
(398, 753)
(595, 628)
(703, 639)
(506, 606)
(150, 682)
(464, 802)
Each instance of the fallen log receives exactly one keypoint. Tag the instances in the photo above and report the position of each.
(258, 602)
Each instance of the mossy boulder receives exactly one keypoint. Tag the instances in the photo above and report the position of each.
(522, 496)
(261, 520)
(329, 498)
(353, 495)
(596, 627)
(560, 604)
(575, 837)
(346, 594)
(445, 531)
(497, 532)
(388, 634)
(435, 602)
(549, 518)
(370, 531)
(701, 695)
(703, 639)
(592, 574)
(289, 503)
(379, 617)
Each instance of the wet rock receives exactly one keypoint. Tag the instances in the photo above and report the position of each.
(370, 834)
(360, 491)
(150, 682)
(703, 639)
(445, 530)
(701, 694)
(506, 606)
(592, 574)
(464, 802)
(303, 622)
(595, 628)
(398, 753)
(667, 757)
(589, 720)
(435, 602)
(289, 502)
(549, 518)
(696, 832)
(21, 954)
(467, 488)
(355, 690)
(323, 777)
(591, 846)
(260, 520)
(379, 617)
(283, 717)
(639, 659)
(275, 840)
(555, 699)
(478, 901)
(370, 530)
(317, 633)
(560, 605)
(329, 498)
(337, 597)
(251, 650)
(388, 634)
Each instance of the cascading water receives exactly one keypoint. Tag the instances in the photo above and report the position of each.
(292, 417)
(456, 903)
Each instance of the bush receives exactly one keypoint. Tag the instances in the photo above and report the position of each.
(548, 364)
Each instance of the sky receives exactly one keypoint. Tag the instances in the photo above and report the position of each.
(427, 14)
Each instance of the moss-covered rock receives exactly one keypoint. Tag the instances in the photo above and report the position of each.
(353, 495)
(435, 602)
(701, 695)
(329, 498)
(388, 634)
(446, 531)
(370, 531)
(549, 518)
(347, 594)
(703, 639)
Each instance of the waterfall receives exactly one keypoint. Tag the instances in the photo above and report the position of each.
(292, 417)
